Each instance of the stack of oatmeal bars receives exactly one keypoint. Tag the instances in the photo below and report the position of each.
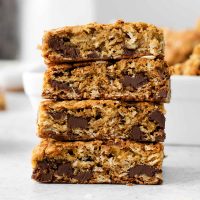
(103, 117)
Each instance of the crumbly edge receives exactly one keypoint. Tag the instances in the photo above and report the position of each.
(111, 78)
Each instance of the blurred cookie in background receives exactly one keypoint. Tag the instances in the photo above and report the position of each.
(191, 66)
(180, 44)
(2, 101)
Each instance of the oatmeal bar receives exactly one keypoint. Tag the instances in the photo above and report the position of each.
(191, 66)
(140, 79)
(119, 162)
(101, 119)
(102, 42)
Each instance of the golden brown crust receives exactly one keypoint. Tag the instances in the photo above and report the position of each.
(102, 42)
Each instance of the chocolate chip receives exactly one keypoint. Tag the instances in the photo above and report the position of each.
(77, 122)
(83, 176)
(163, 93)
(42, 164)
(45, 177)
(135, 82)
(59, 85)
(57, 115)
(141, 170)
(70, 51)
(63, 45)
(45, 174)
(54, 43)
(65, 170)
(136, 134)
(158, 117)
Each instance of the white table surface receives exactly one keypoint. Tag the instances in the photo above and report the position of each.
(17, 138)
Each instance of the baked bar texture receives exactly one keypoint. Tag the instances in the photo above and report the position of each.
(120, 162)
(102, 42)
(101, 119)
(180, 44)
(140, 79)
(191, 66)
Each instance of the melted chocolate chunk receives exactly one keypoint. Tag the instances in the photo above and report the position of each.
(43, 164)
(45, 177)
(158, 117)
(57, 115)
(63, 45)
(136, 134)
(77, 122)
(54, 43)
(45, 174)
(141, 170)
(135, 82)
(60, 85)
(65, 169)
(83, 176)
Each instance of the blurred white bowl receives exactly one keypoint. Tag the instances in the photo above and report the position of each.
(32, 81)
(182, 118)
(11, 74)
